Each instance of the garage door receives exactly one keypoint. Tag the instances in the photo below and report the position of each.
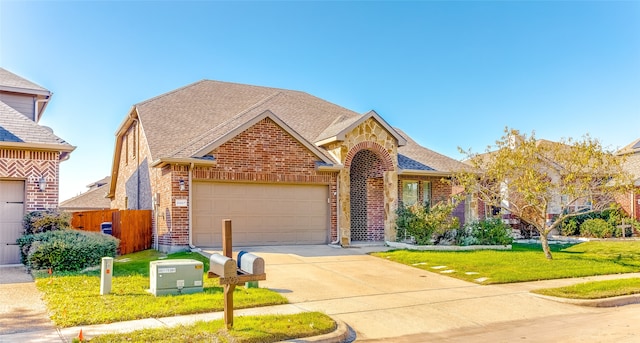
(261, 214)
(11, 214)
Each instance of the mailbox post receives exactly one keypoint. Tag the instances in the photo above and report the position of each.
(224, 267)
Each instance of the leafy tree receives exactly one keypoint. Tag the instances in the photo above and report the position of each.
(533, 178)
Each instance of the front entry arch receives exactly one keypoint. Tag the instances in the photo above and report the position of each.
(367, 197)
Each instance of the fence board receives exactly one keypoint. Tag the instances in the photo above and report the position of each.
(132, 227)
(90, 220)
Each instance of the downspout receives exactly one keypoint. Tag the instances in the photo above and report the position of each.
(36, 115)
(191, 207)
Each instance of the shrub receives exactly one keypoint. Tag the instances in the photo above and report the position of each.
(422, 222)
(66, 250)
(596, 227)
(43, 221)
(614, 216)
(491, 231)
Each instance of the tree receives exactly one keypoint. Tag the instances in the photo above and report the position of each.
(543, 182)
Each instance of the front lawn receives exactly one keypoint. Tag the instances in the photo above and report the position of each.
(74, 298)
(595, 289)
(526, 262)
(254, 329)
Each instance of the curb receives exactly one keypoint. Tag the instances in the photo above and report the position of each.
(340, 334)
(606, 302)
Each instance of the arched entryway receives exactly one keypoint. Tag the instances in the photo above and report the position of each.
(367, 197)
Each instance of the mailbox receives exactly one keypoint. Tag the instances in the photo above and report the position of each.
(250, 263)
(222, 266)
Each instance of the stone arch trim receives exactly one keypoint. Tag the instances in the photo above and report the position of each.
(382, 153)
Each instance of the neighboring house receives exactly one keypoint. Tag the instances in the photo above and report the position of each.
(30, 157)
(630, 202)
(93, 199)
(286, 167)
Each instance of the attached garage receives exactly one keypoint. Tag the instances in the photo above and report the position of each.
(261, 214)
(11, 214)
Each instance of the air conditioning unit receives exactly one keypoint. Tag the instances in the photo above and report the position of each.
(175, 277)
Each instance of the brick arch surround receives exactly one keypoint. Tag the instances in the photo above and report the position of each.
(382, 153)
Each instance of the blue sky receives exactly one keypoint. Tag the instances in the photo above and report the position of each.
(450, 74)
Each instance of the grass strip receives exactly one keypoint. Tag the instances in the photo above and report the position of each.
(250, 329)
(526, 262)
(595, 289)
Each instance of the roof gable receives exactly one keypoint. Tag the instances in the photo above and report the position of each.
(339, 129)
(237, 127)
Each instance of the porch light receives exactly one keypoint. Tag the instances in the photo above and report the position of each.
(42, 184)
(182, 186)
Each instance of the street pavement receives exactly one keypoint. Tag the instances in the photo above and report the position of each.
(382, 301)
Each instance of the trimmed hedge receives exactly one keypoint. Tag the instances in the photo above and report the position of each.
(66, 250)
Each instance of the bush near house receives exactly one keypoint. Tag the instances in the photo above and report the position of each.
(424, 223)
(491, 231)
(614, 217)
(49, 243)
(43, 221)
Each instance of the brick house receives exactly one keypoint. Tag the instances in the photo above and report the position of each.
(30, 156)
(286, 167)
(630, 202)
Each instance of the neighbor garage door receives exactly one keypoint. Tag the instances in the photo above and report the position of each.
(11, 213)
(261, 214)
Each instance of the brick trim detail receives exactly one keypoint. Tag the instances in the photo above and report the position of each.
(383, 154)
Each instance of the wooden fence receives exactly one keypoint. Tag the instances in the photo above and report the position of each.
(132, 227)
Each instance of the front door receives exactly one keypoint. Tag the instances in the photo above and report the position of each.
(11, 214)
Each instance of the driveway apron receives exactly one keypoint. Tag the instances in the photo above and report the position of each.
(21, 305)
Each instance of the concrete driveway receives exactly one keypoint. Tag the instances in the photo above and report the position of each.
(389, 302)
(21, 308)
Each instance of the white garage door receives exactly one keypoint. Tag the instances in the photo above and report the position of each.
(261, 214)
(11, 214)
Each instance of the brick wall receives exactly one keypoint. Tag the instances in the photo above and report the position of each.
(30, 166)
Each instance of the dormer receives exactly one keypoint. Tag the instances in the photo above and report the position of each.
(24, 96)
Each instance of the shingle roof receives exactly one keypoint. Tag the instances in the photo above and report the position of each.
(13, 81)
(413, 156)
(633, 147)
(180, 123)
(15, 127)
(202, 111)
(94, 198)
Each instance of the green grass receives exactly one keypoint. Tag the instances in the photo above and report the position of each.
(73, 299)
(254, 329)
(526, 262)
(595, 289)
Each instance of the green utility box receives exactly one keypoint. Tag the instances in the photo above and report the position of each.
(175, 277)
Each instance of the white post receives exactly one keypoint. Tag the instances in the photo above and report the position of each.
(105, 275)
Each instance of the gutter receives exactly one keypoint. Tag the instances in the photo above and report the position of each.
(331, 168)
(161, 162)
(38, 146)
(423, 172)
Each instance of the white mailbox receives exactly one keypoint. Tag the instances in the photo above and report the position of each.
(176, 277)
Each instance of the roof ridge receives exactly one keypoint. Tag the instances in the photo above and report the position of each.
(170, 92)
(236, 116)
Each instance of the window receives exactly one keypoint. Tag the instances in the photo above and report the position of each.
(426, 193)
(409, 192)
(126, 149)
(134, 145)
